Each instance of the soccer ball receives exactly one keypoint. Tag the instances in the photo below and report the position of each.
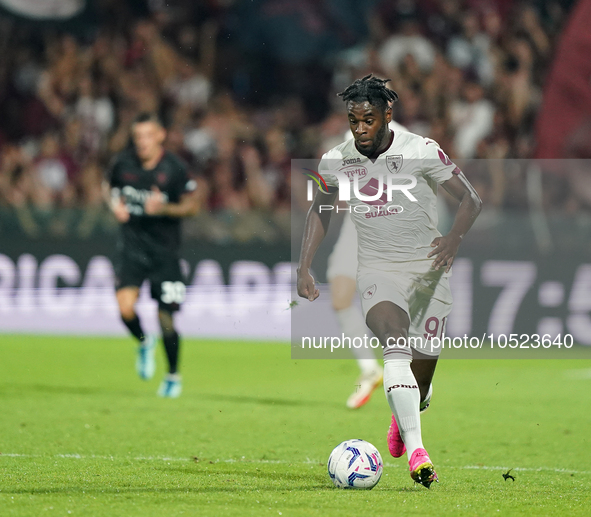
(355, 464)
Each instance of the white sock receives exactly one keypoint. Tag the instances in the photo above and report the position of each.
(353, 325)
(402, 392)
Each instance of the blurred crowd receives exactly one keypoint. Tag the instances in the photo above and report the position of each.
(240, 99)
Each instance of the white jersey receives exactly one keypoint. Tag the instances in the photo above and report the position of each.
(398, 230)
(343, 258)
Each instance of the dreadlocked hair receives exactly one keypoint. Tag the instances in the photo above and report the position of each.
(370, 89)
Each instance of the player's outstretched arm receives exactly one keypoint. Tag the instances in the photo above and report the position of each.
(446, 247)
(315, 230)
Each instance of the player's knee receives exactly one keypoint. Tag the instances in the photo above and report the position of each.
(340, 303)
(394, 336)
(166, 320)
(126, 299)
(342, 292)
(127, 311)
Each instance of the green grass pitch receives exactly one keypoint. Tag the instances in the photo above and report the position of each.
(81, 435)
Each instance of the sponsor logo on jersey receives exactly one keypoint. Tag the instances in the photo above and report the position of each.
(351, 171)
(370, 291)
(380, 212)
(136, 198)
(350, 161)
(394, 163)
(129, 176)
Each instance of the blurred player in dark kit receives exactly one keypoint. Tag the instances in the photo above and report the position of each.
(150, 191)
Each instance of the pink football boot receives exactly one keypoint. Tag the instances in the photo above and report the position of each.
(395, 444)
(421, 468)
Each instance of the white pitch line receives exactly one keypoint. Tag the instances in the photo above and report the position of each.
(144, 458)
(580, 374)
(279, 462)
(522, 469)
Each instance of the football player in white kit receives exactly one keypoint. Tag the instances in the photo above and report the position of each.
(404, 262)
(341, 274)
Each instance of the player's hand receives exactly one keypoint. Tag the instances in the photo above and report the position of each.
(446, 249)
(154, 205)
(121, 212)
(306, 286)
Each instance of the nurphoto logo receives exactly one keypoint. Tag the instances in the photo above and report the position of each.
(375, 194)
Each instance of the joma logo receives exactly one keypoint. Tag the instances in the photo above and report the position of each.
(415, 387)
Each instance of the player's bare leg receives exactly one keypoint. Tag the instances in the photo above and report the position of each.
(126, 299)
(145, 363)
(171, 385)
(423, 367)
(390, 325)
(342, 291)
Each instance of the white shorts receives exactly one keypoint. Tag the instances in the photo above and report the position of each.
(343, 259)
(423, 293)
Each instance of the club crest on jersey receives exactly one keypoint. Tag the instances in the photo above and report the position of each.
(370, 291)
(161, 178)
(394, 163)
